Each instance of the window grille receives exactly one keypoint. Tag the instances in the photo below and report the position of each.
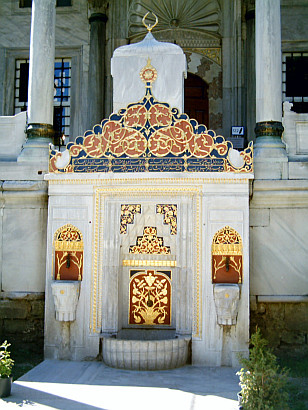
(62, 93)
(295, 80)
(59, 3)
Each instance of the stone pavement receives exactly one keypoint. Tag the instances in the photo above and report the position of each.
(65, 385)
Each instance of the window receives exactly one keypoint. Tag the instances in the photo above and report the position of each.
(59, 3)
(21, 85)
(62, 89)
(295, 80)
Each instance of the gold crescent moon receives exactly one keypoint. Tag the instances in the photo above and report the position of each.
(148, 26)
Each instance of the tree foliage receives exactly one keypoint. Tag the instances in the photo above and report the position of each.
(262, 381)
(6, 363)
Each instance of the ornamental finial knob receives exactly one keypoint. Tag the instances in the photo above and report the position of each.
(149, 27)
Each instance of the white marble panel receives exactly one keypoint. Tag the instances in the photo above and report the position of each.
(302, 137)
(24, 250)
(61, 213)
(225, 215)
(279, 254)
(12, 136)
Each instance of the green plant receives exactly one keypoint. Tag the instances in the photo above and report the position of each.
(262, 381)
(6, 363)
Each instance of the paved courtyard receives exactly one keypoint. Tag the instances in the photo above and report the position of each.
(57, 384)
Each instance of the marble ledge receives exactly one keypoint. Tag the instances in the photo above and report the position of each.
(22, 295)
(23, 185)
(282, 298)
(117, 177)
(16, 171)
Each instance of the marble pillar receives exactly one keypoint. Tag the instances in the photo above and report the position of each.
(41, 82)
(270, 157)
(96, 84)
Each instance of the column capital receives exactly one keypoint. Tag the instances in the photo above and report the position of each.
(40, 131)
(98, 17)
(269, 129)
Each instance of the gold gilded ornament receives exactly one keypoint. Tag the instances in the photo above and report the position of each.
(149, 243)
(150, 298)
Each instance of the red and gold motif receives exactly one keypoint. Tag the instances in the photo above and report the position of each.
(146, 130)
(148, 74)
(127, 215)
(149, 243)
(150, 298)
(68, 245)
(68, 265)
(170, 216)
(226, 269)
(227, 256)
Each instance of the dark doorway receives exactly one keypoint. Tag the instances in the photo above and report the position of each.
(196, 101)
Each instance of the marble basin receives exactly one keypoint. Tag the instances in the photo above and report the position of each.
(146, 354)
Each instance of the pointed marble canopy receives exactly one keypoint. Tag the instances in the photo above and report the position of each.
(169, 61)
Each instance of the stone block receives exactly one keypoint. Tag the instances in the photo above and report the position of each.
(13, 309)
(17, 326)
(293, 338)
(296, 317)
(259, 217)
(261, 308)
(276, 312)
(37, 308)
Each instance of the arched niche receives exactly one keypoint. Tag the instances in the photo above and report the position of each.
(68, 253)
(227, 256)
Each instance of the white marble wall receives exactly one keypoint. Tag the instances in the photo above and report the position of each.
(295, 133)
(12, 136)
(278, 238)
(204, 206)
(23, 236)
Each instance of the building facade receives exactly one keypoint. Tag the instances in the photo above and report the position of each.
(246, 68)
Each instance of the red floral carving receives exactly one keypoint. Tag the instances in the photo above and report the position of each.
(135, 116)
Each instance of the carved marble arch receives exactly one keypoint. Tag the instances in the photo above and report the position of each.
(68, 253)
(177, 19)
(227, 256)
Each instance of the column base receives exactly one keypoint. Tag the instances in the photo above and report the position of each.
(270, 156)
(36, 147)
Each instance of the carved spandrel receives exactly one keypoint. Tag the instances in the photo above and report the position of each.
(170, 216)
(127, 215)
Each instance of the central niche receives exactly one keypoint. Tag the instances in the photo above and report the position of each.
(150, 297)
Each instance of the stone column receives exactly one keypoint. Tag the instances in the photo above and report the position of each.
(270, 155)
(41, 82)
(96, 85)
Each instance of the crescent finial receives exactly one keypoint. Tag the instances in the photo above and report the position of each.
(150, 27)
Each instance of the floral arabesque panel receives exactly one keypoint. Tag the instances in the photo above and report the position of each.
(170, 216)
(127, 216)
(149, 243)
(150, 298)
